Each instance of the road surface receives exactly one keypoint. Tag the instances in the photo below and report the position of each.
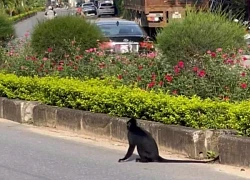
(27, 25)
(28, 155)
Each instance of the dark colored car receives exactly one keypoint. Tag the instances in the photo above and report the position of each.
(89, 8)
(124, 36)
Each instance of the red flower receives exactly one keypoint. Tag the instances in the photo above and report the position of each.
(226, 98)
(181, 64)
(50, 50)
(213, 54)
(243, 74)
(140, 67)
(243, 85)
(229, 61)
(153, 76)
(169, 78)
(138, 78)
(161, 83)
(176, 69)
(244, 58)
(59, 68)
(78, 57)
(202, 73)
(119, 76)
(33, 58)
(174, 92)
(195, 69)
(151, 84)
(224, 56)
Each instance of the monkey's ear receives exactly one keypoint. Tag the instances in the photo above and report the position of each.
(132, 120)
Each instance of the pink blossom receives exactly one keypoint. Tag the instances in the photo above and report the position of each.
(218, 49)
(181, 64)
(240, 51)
(151, 55)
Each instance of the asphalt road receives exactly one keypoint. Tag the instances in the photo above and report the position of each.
(27, 155)
(27, 25)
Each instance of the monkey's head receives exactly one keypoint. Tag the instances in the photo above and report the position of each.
(131, 123)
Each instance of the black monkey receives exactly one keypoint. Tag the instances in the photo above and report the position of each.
(147, 147)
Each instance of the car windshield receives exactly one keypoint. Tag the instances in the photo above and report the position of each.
(121, 30)
(106, 4)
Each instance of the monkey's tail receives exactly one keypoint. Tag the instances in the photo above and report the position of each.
(162, 160)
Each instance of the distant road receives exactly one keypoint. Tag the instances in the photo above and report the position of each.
(28, 155)
(28, 24)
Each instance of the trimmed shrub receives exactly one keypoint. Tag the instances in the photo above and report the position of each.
(108, 96)
(7, 30)
(197, 33)
(59, 33)
(23, 15)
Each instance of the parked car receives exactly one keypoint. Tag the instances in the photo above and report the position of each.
(89, 9)
(124, 36)
(106, 8)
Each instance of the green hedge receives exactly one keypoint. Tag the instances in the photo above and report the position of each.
(108, 96)
(26, 14)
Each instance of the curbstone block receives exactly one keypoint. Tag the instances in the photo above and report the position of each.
(234, 150)
(97, 123)
(44, 115)
(119, 129)
(69, 119)
(1, 106)
(183, 140)
(18, 110)
(212, 138)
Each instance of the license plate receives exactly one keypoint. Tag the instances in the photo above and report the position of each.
(125, 48)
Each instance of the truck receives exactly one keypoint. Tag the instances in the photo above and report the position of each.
(157, 13)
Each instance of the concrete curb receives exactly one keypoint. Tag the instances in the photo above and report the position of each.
(25, 17)
(194, 143)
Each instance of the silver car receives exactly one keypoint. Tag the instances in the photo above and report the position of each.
(106, 8)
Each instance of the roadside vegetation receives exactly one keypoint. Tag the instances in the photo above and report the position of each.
(208, 88)
(63, 33)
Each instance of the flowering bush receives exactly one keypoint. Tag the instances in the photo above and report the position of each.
(198, 32)
(215, 75)
(57, 32)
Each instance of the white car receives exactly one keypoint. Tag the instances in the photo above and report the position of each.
(106, 8)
